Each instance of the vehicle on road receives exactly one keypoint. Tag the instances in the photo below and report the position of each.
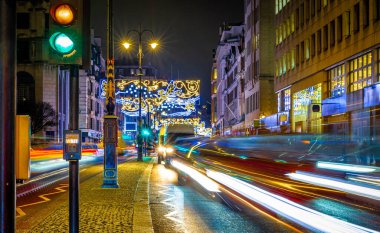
(167, 138)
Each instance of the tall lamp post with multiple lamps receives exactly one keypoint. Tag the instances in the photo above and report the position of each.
(140, 32)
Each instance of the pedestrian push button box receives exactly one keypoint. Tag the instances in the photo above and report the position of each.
(72, 145)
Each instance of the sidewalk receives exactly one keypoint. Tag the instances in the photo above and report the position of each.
(109, 210)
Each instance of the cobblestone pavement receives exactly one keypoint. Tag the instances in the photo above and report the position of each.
(101, 210)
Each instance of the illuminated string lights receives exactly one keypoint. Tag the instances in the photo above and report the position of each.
(176, 98)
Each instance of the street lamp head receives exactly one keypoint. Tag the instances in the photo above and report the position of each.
(126, 45)
(153, 45)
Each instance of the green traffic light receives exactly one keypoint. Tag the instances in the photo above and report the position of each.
(145, 132)
(61, 43)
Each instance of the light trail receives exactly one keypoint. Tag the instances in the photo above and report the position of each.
(203, 180)
(302, 215)
(346, 167)
(336, 184)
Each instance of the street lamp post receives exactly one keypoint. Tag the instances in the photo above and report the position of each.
(127, 45)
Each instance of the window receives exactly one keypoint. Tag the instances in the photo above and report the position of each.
(319, 41)
(297, 18)
(376, 9)
(319, 5)
(292, 22)
(279, 105)
(297, 54)
(325, 37)
(287, 100)
(293, 57)
(378, 65)
(339, 32)
(302, 51)
(365, 13)
(307, 10)
(324, 3)
(312, 8)
(23, 21)
(302, 9)
(307, 49)
(337, 85)
(360, 72)
(356, 17)
(23, 55)
(347, 24)
(312, 47)
(332, 33)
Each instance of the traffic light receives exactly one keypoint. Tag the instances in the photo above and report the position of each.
(65, 32)
(145, 132)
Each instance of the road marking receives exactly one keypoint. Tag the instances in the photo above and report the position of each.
(44, 198)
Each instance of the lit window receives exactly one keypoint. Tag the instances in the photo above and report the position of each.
(337, 84)
(360, 72)
(293, 59)
(307, 49)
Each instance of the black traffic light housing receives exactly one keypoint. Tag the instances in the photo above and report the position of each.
(66, 32)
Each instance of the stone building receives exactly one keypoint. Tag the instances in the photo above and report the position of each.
(227, 81)
(37, 80)
(260, 100)
(91, 105)
(327, 66)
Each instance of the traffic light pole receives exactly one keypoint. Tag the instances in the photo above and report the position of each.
(74, 164)
(7, 115)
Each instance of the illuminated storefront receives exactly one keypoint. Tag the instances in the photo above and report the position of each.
(304, 119)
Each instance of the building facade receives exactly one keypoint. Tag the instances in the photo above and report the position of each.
(327, 66)
(260, 100)
(37, 80)
(227, 81)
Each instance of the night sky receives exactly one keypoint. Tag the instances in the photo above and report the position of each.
(187, 30)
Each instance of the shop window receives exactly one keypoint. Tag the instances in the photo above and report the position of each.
(337, 84)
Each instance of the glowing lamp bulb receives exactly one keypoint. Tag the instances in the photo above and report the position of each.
(126, 45)
(64, 14)
(153, 45)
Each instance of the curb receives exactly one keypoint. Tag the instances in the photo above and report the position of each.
(142, 219)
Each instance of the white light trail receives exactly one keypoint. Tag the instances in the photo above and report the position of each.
(304, 216)
(346, 167)
(203, 180)
(336, 184)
